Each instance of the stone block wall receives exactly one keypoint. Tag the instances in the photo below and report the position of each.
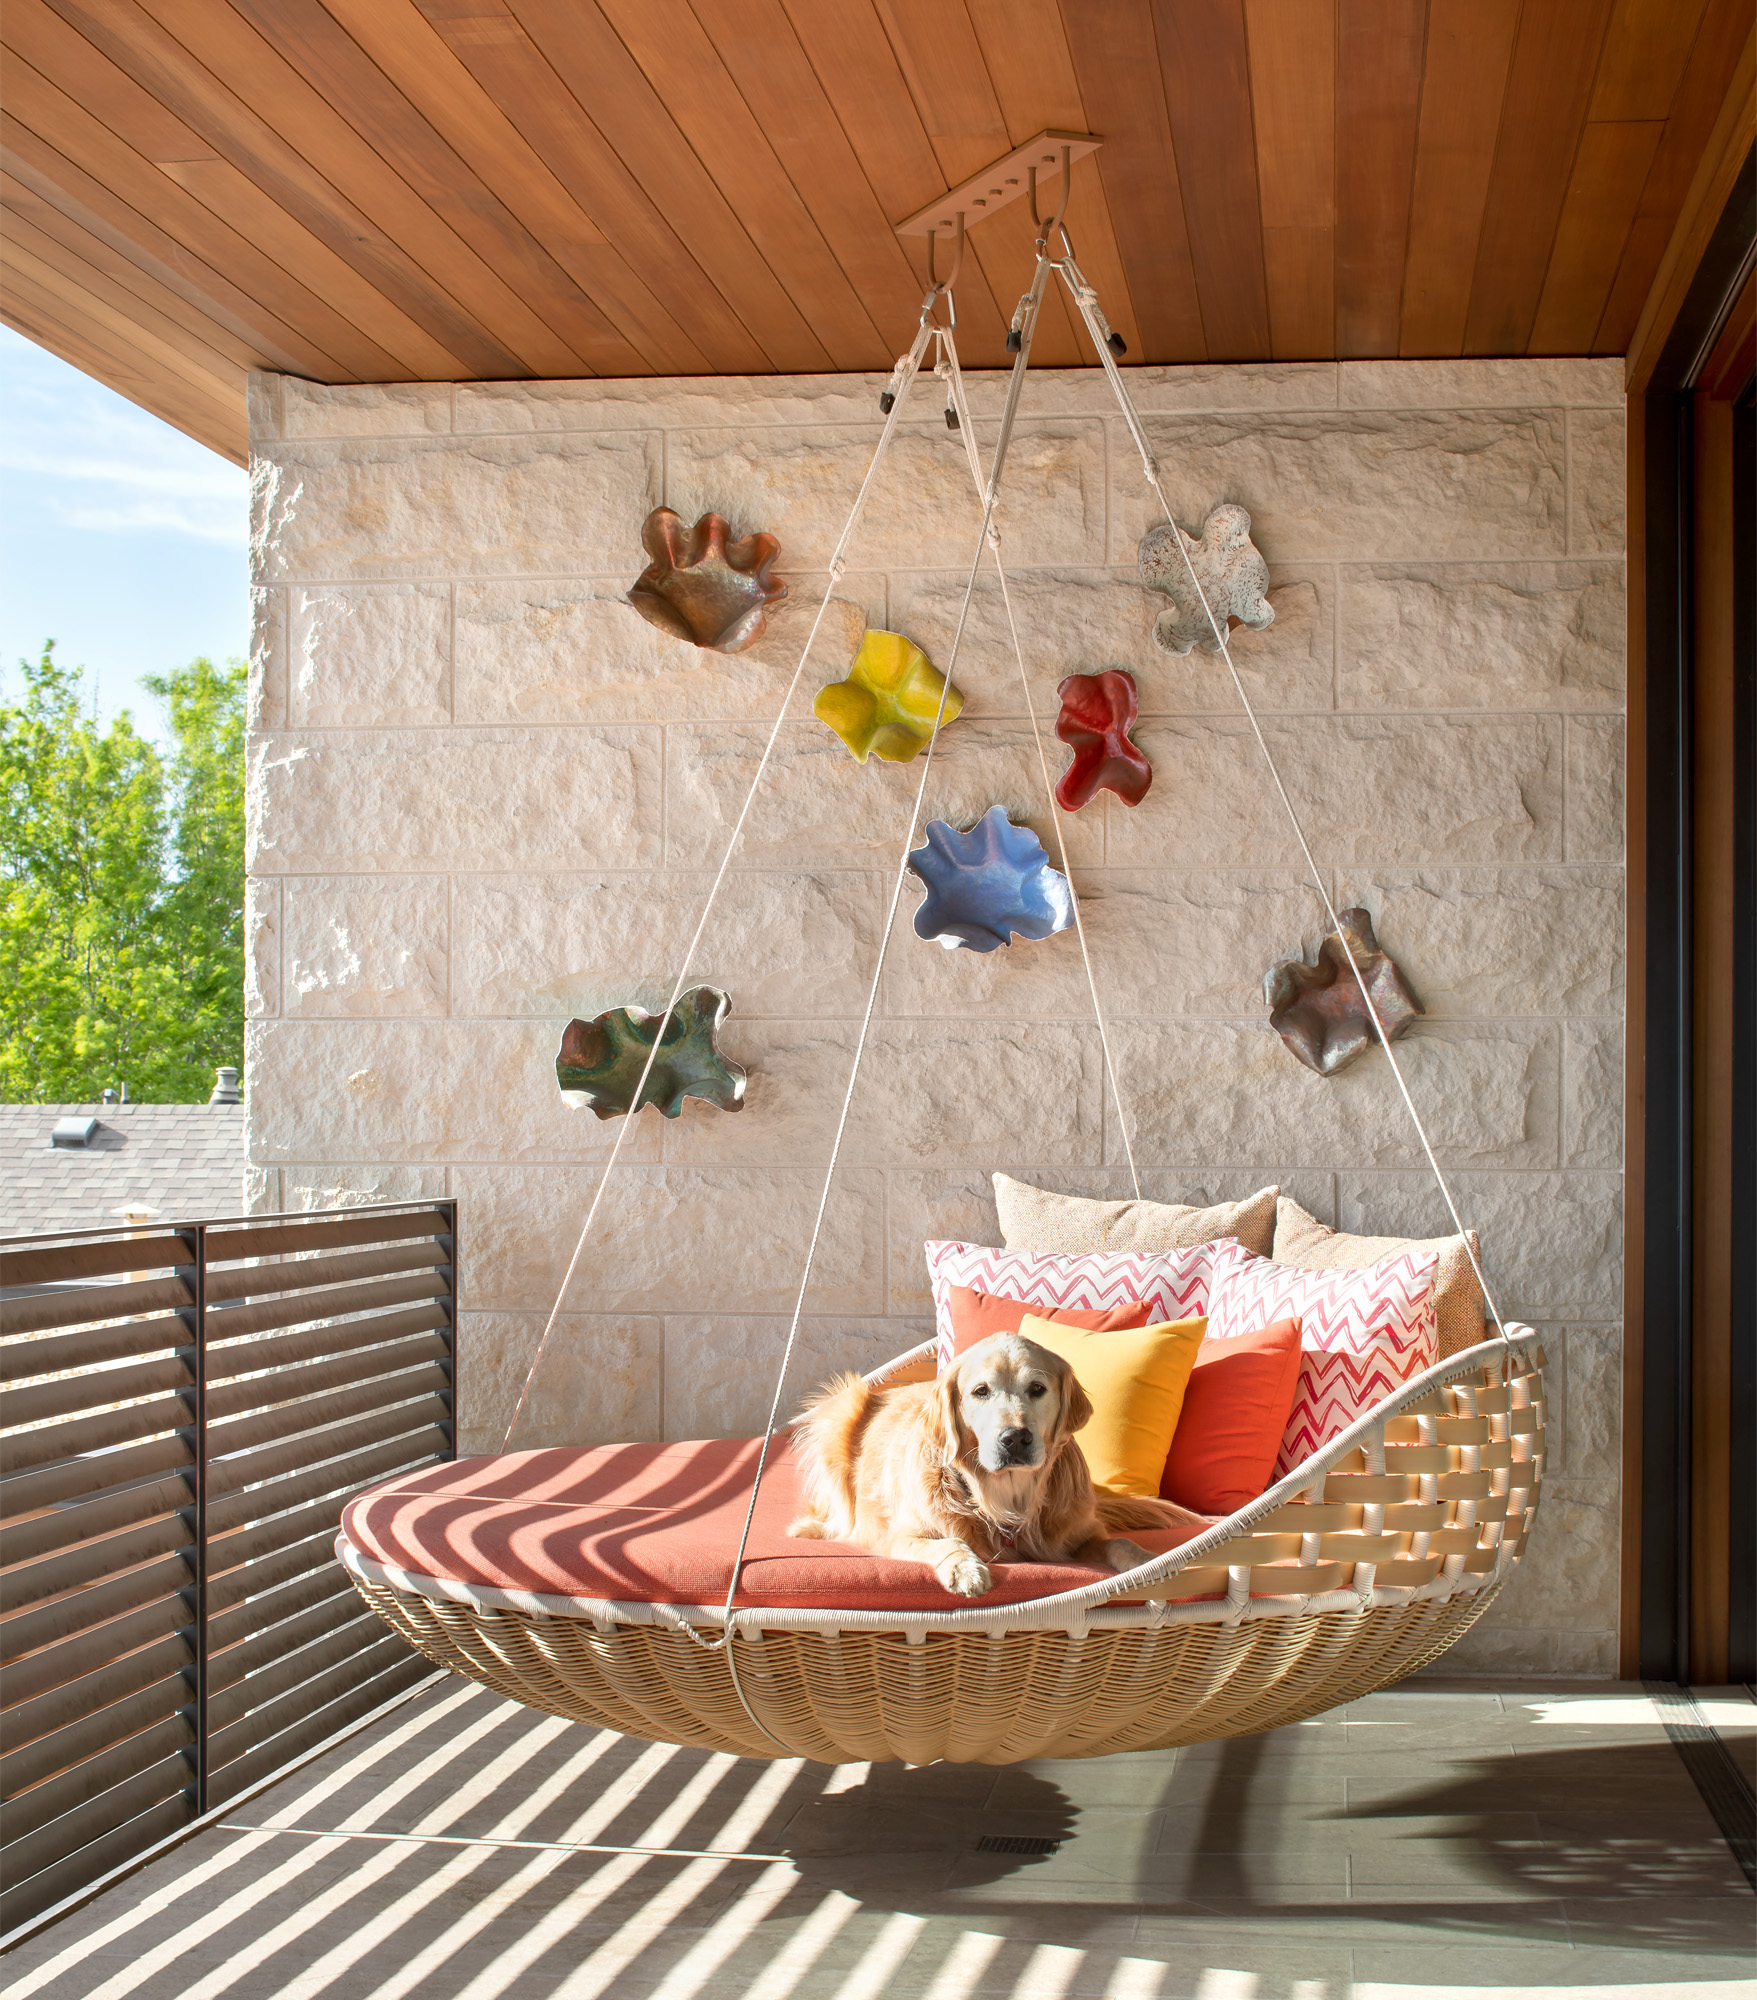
(485, 796)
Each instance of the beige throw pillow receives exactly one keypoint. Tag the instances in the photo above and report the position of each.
(1032, 1218)
(1310, 1245)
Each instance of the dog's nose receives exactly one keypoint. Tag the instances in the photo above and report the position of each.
(1015, 1443)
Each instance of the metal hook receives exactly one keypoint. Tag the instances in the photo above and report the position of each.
(1061, 208)
(945, 284)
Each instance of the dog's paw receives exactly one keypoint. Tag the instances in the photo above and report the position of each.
(1123, 1554)
(965, 1575)
(808, 1527)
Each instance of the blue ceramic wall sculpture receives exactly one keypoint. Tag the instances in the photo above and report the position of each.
(989, 885)
(601, 1060)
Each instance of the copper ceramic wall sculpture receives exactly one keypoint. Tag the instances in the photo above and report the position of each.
(989, 885)
(1098, 711)
(1317, 1010)
(1233, 576)
(701, 587)
(887, 704)
(600, 1063)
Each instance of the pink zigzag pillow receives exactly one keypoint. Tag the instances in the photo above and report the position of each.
(1173, 1282)
(1363, 1333)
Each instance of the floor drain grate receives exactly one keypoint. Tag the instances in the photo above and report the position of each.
(1016, 1843)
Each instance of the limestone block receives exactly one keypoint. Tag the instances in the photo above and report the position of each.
(309, 1185)
(1200, 1092)
(923, 509)
(389, 507)
(1490, 384)
(1527, 1652)
(1478, 942)
(560, 946)
(673, 402)
(1592, 1094)
(1567, 1579)
(262, 403)
(1236, 385)
(567, 650)
(366, 944)
(1369, 789)
(262, 946)
(262, 1191)
(720, 1369)
(369, 654)
(818, 807)
(407, 1091)
(1414, 483)
(359, 801)
(363, 409)
(670, 1239)
(1595, 788)
(1552, 1243)
(1597, 487)
(598, 1382)
(1592, 1443)
(265, 700)
(1482, 635)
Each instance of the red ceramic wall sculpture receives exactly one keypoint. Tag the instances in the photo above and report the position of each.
(1098, 711)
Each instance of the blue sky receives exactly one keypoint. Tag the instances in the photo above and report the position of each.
(120, 538)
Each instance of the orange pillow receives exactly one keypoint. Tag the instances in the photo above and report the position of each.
(1236, 1407)
(975, 1315)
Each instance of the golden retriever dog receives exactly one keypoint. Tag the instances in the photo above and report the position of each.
(975, 1468)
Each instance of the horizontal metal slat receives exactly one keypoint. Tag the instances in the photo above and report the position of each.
(229, 1329)
(75, 1700)
(284, 1566)
(44, 1401)
(274, 1680)
(63, 1263)
(421, 1343)
(288, 1234)
(63, 1528)
(309, 1275)
(80, 1610)
(359, 1467)
(84, 1437)
(253, 1635)
(94, 1646)
(226, 1475)
(144, 1760)
(48, 1311)
(288, 1711)
(91, 1563)
(93, 1734)
(29, 1896)
(83, 1478)
(261, 1760)
(56, 1353)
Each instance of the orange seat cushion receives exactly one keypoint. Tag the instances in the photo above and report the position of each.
(653, 1522)
(1235, 1409)
(976, 1315)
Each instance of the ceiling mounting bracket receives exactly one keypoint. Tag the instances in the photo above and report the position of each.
(1004, 180)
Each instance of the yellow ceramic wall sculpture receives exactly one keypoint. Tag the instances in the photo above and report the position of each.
(888, 702)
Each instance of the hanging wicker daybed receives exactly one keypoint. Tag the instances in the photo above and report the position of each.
(607, 1585)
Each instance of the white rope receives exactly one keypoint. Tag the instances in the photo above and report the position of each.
(902, 380)
(1087, 300)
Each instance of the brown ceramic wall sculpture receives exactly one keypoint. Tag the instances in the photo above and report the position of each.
(701, 587)
(1317, 1010)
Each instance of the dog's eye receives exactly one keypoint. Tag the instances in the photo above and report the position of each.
(980, 1392)
(1038, 1389)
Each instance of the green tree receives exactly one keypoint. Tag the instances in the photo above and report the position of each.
(121, 890)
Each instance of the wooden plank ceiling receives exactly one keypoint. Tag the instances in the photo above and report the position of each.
(387, 190)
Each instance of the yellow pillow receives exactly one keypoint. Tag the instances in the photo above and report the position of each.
(1136, 1379)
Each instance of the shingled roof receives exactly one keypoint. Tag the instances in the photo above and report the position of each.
(181, 1162)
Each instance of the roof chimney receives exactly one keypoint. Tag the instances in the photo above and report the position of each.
(226, 1090)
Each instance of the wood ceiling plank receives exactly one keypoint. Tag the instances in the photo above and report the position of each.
(857, 68)
(39, 109)
(1549, 85)
(1464, 85)
(612, 89)
(491, 42)
(1204, 66)
(1291, 46)
(1116, 60)
(1696, 104)
(1025, 47)
(1645, 52)
(334, 168)
(1610, 171)
(88, 205)
(633, 334)
(140, 43)
(1378, 103)
(678, 57)
(222, 429)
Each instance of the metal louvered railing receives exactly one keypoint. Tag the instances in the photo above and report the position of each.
(186, 1409)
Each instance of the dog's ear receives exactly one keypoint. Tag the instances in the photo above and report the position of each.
(1076, 1405)
(946, 1422)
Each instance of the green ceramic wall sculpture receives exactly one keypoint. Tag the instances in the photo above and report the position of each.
(599, 1067)
(888, 702)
